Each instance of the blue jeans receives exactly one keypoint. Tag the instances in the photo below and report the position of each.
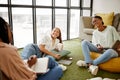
(88, 47)
(55, 71)
(31, 49)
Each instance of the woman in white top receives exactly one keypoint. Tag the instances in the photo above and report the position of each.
(47, 43)
(103, 36)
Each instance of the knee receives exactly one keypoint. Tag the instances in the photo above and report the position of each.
(84, 42)
(112, 53)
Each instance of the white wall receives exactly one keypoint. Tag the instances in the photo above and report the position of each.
(106, 6)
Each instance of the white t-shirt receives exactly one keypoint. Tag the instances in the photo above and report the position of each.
(105, 38)
(47, 41)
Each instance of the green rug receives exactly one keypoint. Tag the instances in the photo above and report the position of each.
(74, 72)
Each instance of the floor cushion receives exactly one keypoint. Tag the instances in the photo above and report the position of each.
(113, 65)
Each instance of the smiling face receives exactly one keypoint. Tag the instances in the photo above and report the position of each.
(97, 22)
(55, 33)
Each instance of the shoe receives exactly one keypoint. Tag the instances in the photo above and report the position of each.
(96, 78)
(93, 69)
(81, 63)
(64, 68)
(108, 79)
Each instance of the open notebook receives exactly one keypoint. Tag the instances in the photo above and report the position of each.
(41, 66)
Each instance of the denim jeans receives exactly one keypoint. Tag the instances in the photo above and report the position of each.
(55, 71)
(88, 47)
(31, 49)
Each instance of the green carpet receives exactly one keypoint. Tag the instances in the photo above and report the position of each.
(76, 73)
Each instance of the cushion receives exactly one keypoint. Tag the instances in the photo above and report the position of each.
(88, 31)
(107, 18)
(62, 52)
(113, 65)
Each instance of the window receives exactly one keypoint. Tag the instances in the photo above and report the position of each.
(22, 26)
(31, 19)
(61, 21)
(44, 2)
(4, 13)
(44, 22)
(74, 23)
(22, 2)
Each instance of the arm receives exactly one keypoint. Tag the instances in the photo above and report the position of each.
(42, 48)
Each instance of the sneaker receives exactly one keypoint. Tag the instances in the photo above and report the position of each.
(81, 63)
(93, 69)
(64, 68)
(108, 79)
(96, 78)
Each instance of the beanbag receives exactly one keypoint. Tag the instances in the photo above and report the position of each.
(113, 65)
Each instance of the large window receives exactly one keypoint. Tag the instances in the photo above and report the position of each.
(22, 26)
(30, 20)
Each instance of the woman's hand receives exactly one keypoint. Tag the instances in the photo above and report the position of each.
(32, 60)
(100, 48)
(57, 56)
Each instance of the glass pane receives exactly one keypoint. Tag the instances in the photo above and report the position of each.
(75, 2)
(44, 22)
(60, 3)
(4, 13)
(3, 1)
(86, 12)
(22, 2)
(61, 21)
(44, 2)
(74, 23)
(86, 3)
(22, 26)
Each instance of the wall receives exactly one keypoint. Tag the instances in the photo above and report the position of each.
(106, 6)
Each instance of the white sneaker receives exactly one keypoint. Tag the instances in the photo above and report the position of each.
(96, 78)
(108, 79)
(81, 63)
(64, 68)
(93, 69)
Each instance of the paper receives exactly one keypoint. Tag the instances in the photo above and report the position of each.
(41, 66)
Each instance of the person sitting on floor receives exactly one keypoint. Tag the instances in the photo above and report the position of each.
(103, 37)
(13, 67)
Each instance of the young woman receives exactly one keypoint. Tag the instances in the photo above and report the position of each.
(47, 43)
(13, 67)
(103, 37)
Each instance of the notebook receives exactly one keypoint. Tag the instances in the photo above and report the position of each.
(116, 45)
(41, 66)
(62, 52)
(65, 62)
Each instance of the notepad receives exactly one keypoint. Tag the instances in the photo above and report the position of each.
(41, 66)
(62, 52)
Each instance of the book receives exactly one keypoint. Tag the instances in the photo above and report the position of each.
(116, 45)
(62, 52)
(65, 62)
(41, 66)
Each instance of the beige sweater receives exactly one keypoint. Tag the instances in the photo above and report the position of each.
(12, 65)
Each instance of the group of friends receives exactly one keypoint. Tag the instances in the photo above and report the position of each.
(13, 66)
